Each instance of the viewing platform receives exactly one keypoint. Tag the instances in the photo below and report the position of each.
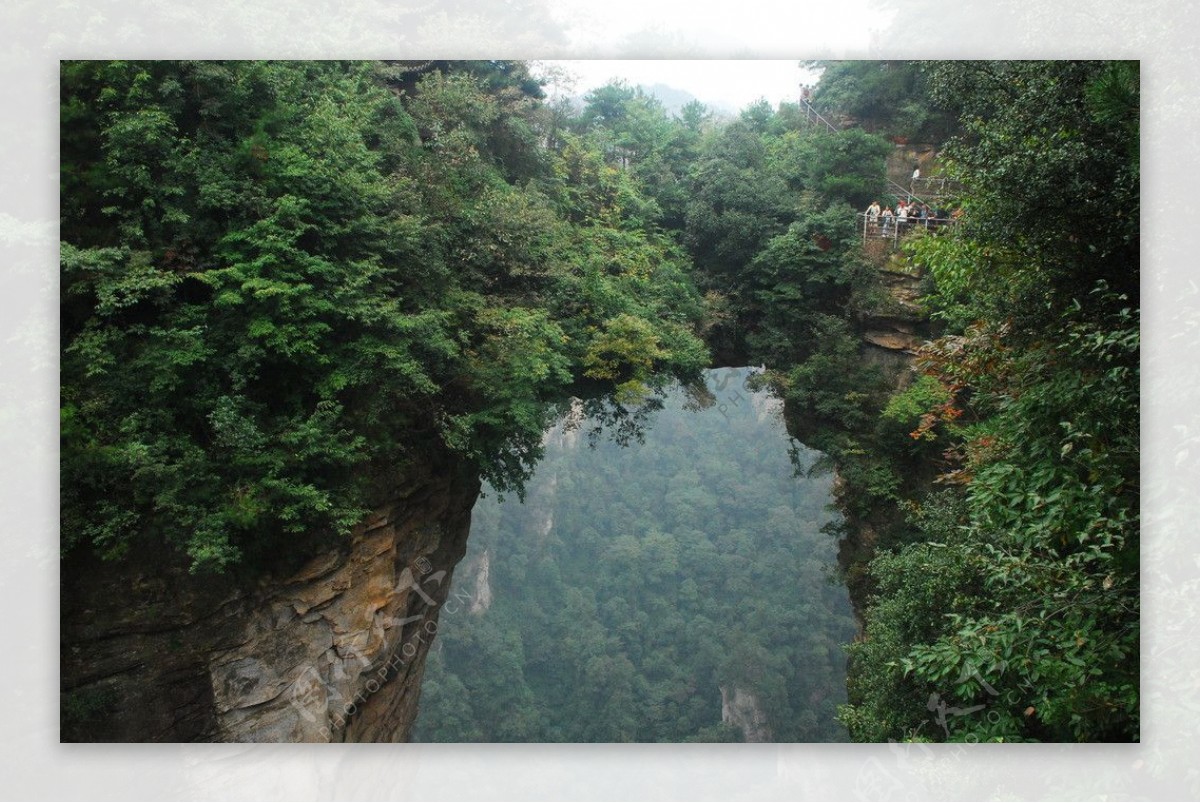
(891, 230)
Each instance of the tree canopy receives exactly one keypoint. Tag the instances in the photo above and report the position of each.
(1016, 590)
(284, 282)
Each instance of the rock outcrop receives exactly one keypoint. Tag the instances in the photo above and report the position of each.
(332, 651)
(895, 320)
(481, 600)
(741, 709)
(898, 321)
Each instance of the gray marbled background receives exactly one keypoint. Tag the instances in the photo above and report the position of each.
(35, 35)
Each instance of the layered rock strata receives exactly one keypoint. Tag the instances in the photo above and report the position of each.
(332, 651)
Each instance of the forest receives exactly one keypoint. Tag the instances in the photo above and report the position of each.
(283, 284)
(638, 583)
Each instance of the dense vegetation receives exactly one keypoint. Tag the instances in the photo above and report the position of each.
(285, 284)
(1003, 604)
(892, 98)
(992, 502)
(635, 583)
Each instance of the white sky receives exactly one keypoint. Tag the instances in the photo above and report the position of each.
(687, 29)
(733, 83)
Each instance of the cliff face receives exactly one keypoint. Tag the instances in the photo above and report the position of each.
(894, 320)
(742, 710)
(333, 651)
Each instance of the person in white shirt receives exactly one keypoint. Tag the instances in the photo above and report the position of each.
(886, 217)
(872, 216)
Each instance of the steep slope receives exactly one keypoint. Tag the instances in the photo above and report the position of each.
(333, 651)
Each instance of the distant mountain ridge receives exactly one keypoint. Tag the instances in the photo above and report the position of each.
(672, 98)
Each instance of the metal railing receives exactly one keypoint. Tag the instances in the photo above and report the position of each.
(811, 114)
(890, 227)
(927, 191)
(935, 186)
(906, 194)
(922, 189)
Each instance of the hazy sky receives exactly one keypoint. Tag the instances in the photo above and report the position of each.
(685, 28)
(730, 83)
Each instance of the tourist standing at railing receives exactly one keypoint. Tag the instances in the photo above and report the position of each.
(901, 217)
(873, 214)
(886, 218)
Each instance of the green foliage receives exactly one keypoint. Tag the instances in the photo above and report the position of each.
(800, 279)
(623, 341)
(1049, 160)
(284, 283)
(1063, 574)
(769, 230)
(887, 97)
(1034, 633)
(280, 278)
(218, 412)
(737, 203)
(916, 589)
(634, 134)
(963, 274)
(846, 165)
(834, 387)
(905, 422)
(633, 583)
